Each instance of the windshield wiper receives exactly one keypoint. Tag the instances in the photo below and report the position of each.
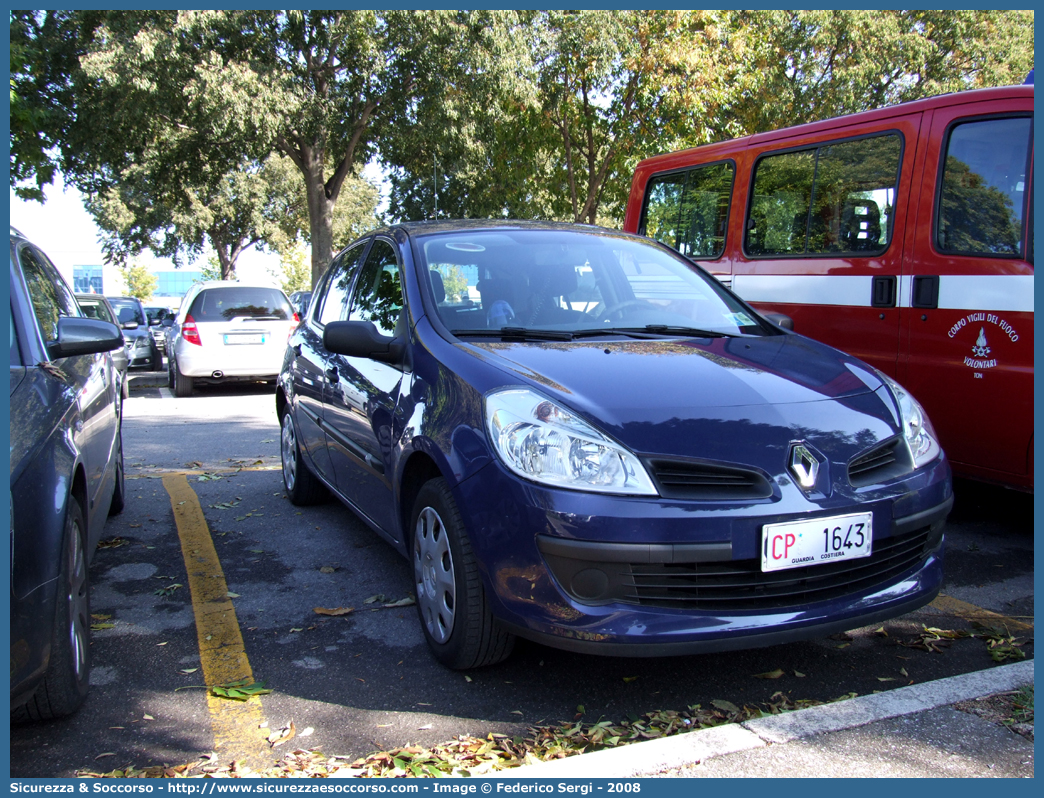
(520, 333)
(694, 332)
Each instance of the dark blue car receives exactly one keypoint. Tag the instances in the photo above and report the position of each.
(66, 478)
(579, 437)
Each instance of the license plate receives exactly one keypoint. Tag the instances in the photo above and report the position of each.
(797, 543)
(245, 338)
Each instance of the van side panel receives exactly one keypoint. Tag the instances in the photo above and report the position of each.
(831, 298)
(959, 331)
(968, 348)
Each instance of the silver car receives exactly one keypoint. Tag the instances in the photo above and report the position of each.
(95, 306)
(228, 332)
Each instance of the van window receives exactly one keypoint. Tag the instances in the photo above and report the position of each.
(689, 210)
(984, 188)
(835, 199)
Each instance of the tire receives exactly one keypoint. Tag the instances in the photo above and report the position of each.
(67, 679)
(119, 495)
(182, 384)
(451, 602)
(125, 386)
(171, 383)
(157, 361)
(302, 486)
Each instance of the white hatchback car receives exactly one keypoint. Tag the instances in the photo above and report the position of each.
(228, 332)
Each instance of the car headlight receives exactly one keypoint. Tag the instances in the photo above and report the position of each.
(917, 429)
(541, 441)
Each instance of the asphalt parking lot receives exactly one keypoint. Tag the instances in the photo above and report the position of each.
(188, 594)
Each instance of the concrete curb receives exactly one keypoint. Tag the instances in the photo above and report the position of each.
(654, 756)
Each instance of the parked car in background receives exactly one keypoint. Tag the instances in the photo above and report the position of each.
(141, 347)
(300, 300)
(903, 235)
(608, 451)
(66, 477)
(160, 320)
(95, 306)
(227, 331)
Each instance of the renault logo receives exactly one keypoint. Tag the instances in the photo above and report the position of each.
(804, 465)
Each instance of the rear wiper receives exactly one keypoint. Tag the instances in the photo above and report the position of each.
(520, 333)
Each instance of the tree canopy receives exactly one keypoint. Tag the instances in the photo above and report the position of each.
(229, 129)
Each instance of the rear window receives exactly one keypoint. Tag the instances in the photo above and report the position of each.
(95, 309)
(225, 304)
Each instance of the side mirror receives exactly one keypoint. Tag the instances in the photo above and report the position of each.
(78, 336)
(154, 322)
(361, 339)
(129, 325)
(780, 320)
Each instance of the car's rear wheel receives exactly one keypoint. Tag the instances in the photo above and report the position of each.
(157, 361)
(454, 612)
(302, 486)
(67, 678)
(182, 384)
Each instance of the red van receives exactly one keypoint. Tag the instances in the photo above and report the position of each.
(902, 235)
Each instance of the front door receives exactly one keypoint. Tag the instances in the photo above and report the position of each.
(967, 312)
(361, 397)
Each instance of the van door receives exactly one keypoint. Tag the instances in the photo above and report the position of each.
(967, 289)
(823, 235)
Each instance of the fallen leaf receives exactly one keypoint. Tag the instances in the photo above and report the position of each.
(726, 706)
(903, 672)
(629, 678)
(467, 678)
(108, 753)
(424, 727)
(307, 732)
(373, 599)
(296, 628)
(230, 594)
(147, 717)
(334, 612)
(769, 674)
(880, 632)
(284, 734)
(100, 617)
(189, 670)
(405, 602)
(516, 712)
(98, 627)
(799, 674)
(162, 644)
(326, 569)
(886, 678)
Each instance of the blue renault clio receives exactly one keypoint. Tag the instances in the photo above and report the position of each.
(578, 437)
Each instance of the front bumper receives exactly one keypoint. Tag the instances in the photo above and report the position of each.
(646, 577)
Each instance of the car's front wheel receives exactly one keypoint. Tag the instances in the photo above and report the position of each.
(302, 486)
(182, 384)
(454, 612)
(65, 683)
(119, 496)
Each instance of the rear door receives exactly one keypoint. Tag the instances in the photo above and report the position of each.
(967, 289)
(823, 235)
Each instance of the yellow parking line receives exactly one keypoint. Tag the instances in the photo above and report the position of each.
(236, 724)
(962, 609)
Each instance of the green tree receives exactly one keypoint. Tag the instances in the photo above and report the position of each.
(294, 273)
(141, 283)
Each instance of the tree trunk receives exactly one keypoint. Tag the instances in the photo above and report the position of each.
(320, 219)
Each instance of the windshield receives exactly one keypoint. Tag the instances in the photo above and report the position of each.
(573, 282)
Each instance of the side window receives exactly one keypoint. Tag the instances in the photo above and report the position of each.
(837, 198)
(983, 192)
(378, 293)
(51, 299)
(335, 289)
(689, 210)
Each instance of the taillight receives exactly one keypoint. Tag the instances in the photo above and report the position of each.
(297, 320)
(190, 332)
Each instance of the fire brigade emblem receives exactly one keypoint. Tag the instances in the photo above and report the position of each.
(981, 349)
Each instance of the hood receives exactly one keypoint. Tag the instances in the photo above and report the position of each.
(734, 400)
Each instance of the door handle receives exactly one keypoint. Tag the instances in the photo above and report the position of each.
(925, 291)
(331, 374)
